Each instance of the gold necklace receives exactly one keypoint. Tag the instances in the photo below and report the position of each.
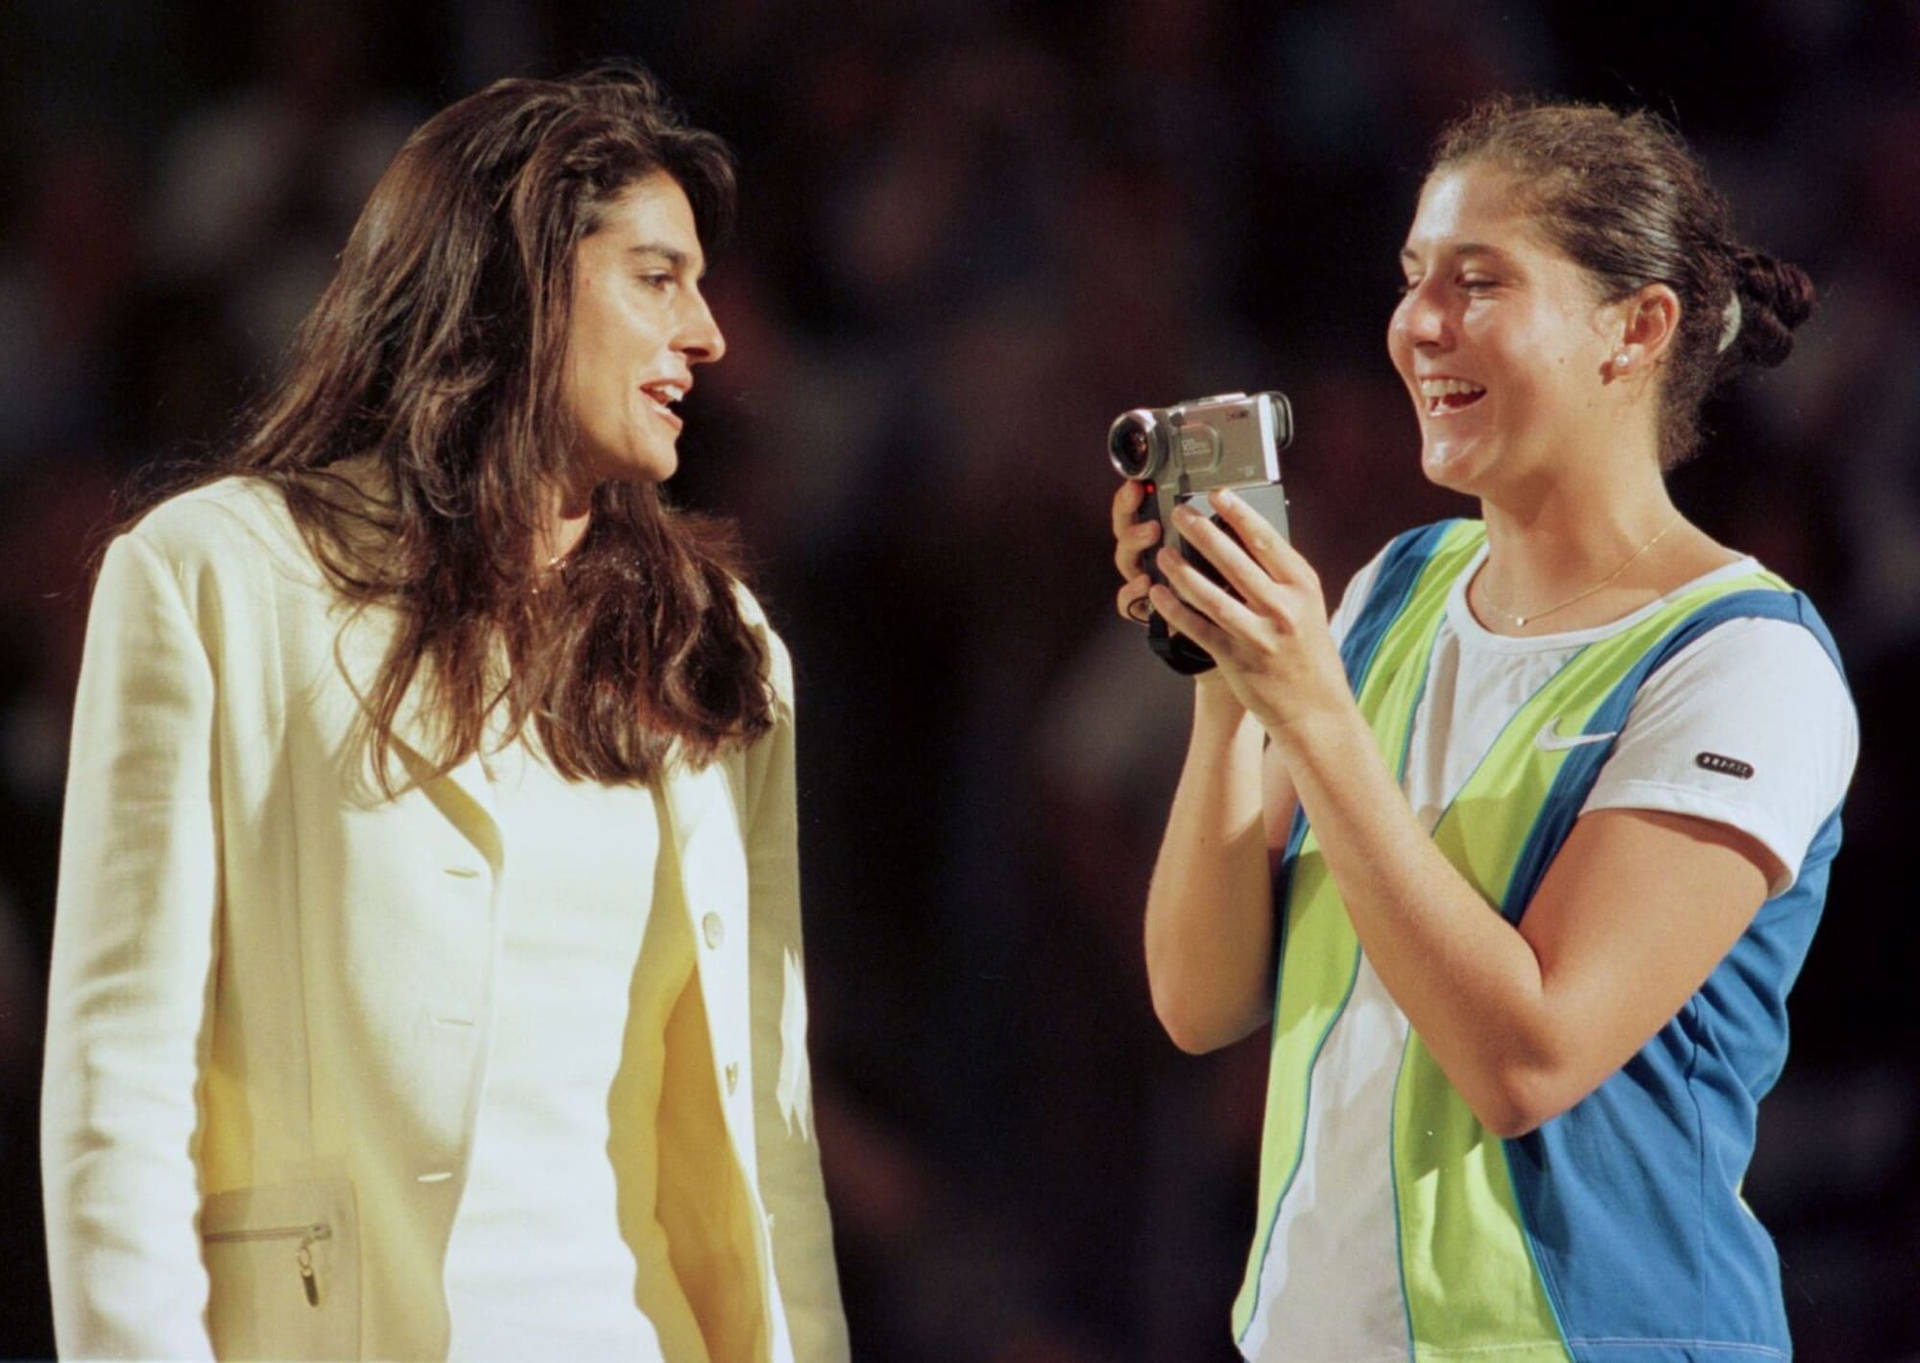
(1520, 621)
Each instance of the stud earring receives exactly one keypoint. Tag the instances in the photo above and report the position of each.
(1622, 360)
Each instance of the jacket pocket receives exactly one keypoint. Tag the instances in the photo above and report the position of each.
(284, 1266)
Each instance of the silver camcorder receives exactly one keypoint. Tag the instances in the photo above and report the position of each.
(1183, 452)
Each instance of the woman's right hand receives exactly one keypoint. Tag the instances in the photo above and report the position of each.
(1131, 542)
(1209, 918)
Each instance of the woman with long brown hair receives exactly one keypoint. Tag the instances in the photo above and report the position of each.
(427, 961)
(1518, 853)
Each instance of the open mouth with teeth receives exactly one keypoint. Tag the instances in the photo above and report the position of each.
(666, 398)
(1449, 395)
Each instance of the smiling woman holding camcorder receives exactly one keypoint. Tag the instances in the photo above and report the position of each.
(1520, 852)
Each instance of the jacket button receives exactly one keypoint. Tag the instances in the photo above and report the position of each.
(713, 930)
(733, 1078)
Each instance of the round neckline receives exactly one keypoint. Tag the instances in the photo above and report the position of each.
(1467, 626)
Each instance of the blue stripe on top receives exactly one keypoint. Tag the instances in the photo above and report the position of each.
(1401, 564)
(1631, 1198)
(1582, 766)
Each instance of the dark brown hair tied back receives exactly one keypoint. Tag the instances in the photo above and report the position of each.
(1775, 297)
(1625, 198)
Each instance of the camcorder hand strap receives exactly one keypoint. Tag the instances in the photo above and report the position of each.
(1176, 650)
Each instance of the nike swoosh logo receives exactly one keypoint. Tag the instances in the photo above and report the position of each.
(1549, 741)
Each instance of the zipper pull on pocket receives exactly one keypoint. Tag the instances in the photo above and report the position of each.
(302, 1254)
(304, 1257)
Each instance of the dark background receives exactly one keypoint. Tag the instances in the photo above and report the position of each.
(972, 233)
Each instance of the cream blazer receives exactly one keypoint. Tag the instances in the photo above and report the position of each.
(270, 1003)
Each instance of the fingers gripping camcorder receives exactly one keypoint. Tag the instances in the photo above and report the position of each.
(1183, 452)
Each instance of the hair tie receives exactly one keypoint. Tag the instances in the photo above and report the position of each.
(1729, 322)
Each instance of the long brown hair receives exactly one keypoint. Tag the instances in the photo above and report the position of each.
(1626, 199)
(434, 360)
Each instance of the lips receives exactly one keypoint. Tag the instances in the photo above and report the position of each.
(666, 395)
(1444, 395)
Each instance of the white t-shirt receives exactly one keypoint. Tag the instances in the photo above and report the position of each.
(537, 1265)
(1761, 692)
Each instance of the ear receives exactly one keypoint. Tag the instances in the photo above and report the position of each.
(1650, 322)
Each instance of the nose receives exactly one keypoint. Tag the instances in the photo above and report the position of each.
(700, 339)
(1421, 318)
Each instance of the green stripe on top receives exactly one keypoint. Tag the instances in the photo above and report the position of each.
(1320, 955)
(1467, 1265)
(1485, 827)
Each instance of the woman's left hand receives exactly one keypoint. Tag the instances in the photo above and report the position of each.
(1272, 646)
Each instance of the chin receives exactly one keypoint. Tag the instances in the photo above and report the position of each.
(657, 460)
(1447, 468)
(641, 466)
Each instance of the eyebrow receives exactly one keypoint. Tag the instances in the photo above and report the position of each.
(673, 255)
(1465, 248)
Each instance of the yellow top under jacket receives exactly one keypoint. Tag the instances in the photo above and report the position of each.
(256, 1119)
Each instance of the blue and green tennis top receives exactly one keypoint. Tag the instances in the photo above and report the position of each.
(1391, 1223)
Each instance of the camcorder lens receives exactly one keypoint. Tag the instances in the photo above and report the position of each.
(1131, 446)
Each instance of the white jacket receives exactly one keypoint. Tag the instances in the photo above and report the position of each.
(269, 1010)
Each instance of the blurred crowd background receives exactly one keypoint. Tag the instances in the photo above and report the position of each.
(973, 231)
